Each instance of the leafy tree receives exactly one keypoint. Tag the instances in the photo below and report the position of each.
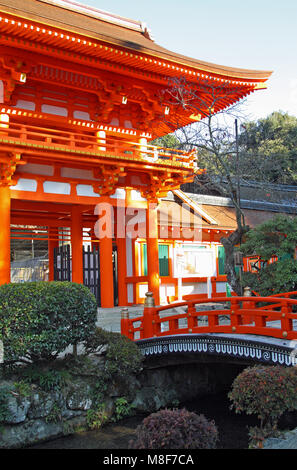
(232, 155)
(167, 141)
(214, 135)
(266, 391)
(274, 238)
(271, 142)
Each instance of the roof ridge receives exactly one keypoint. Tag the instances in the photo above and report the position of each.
(246, 203)
(99, 14)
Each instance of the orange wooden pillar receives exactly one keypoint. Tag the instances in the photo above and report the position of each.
(77, 244)
(4, 234)
(153, 251)
(121, 251)
(52, 244)
(122, 272)
(106, 263)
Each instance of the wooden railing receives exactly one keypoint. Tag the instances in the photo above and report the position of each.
(236, 315)
(89, 141)
(287, 295)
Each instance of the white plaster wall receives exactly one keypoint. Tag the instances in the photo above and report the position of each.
(77, 173)
(221, 286)
(120, 193)
(56, 110)
(85, 190)
(35, 169)
(25, 185)
(167, 290)
(142, 290)
(81, 115)
(136, 196)
(28, 105)
(55, 187)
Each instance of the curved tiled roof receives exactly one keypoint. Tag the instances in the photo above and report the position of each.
(112, 29)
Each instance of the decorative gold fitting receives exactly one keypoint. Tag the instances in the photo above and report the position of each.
(190, 330)
(285, 334)
(232, 312)
(283, 315)
(149, 300)
(124, 314)
(153, 322)
(233, 328)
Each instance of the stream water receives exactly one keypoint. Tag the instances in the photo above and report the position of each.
(232, 428)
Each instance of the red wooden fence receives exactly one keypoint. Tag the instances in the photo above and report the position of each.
(266, 316)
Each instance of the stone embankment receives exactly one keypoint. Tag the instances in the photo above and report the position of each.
(33, 415)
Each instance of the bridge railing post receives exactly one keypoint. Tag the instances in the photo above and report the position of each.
(248, 304)
(235, 317)
(149, 313)
(125, 323)
(286, 323)
(192, 318)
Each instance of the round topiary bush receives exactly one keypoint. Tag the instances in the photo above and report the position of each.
(175, 429)
(267, 392)
(39, 320)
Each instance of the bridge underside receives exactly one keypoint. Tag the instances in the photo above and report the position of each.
(219, 347)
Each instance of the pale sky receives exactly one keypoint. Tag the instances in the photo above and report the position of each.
(253, 34)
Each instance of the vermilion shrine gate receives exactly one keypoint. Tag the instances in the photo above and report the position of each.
(83, 92)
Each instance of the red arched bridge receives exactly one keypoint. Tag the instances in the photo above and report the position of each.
(255, 329)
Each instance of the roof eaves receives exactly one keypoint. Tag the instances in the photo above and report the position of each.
(146, 47)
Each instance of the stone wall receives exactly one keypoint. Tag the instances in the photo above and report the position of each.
(34, 415)
(40, 415)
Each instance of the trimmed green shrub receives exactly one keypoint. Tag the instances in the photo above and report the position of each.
(267, 392)
(175, 429)
(39, 320)
(275, 237)
(122, 356)
(274, 278)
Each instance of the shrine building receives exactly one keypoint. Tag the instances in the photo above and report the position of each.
(83, 92)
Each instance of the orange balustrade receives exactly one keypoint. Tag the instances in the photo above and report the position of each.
(88, 142)
(241, 315)
(286, 295)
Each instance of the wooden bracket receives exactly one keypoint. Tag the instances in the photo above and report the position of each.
(7, 169)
